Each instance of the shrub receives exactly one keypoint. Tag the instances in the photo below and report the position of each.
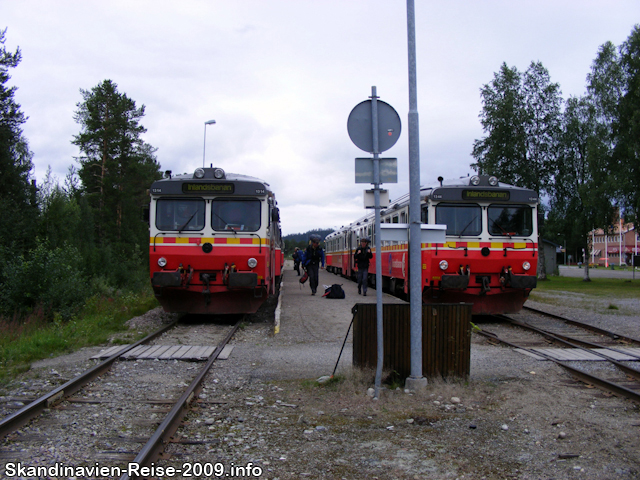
(51, 279)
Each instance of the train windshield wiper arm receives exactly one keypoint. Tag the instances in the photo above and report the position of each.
(467, 226)
(504, 232)
(225, 223)
(187, 222)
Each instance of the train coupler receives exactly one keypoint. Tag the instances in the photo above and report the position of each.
(484, 281)
(204, 277)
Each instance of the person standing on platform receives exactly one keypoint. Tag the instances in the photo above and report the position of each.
(297, 257)
(362, 256)
(313, 260)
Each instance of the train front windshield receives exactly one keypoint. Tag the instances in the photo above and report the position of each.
(511, 220)
(236, 215)
(460, 219)
(184, 214)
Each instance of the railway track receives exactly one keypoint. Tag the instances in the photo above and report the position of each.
(577, 344)
(102, 405)
(613, 336)
(14, 421)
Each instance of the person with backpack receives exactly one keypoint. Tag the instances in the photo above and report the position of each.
(313, 259)
(362, 256)
(297, 257)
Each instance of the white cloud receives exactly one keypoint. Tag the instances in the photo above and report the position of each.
(280, 78)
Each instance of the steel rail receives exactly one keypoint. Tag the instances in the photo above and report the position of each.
(588, 378)
(162, 436)
(586, 326)
(17, 419)
(570, 341)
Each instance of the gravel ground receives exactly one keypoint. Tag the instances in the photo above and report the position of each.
(262, 411)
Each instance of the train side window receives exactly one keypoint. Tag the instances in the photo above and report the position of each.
(180, 214)
(424, 214)
(237, 215)
(460, 219)
(510, 220)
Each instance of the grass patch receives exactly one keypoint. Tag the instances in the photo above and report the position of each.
(598, 287)
(34, 338)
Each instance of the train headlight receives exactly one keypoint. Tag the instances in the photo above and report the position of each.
(475, 180)
(493, 181)
(526, 266)
(162, 262)
(199, 173)
(218, 173)
(443, 265)
(252, 262)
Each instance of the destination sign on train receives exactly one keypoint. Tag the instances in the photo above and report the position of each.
(485, 195)
(193, 187)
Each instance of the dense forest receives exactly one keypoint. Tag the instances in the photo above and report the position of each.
(64, 243)
(301, 240)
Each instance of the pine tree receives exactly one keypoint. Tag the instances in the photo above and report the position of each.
(17, 193)
(116, 166)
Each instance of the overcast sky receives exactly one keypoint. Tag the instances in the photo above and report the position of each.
(280, 78)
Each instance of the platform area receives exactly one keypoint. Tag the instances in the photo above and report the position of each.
(327, 319)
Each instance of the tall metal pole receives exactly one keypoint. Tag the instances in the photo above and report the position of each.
(378, 242)
(416, 380)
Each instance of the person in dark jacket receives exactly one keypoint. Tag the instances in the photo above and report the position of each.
(362, 256)
(313, 259)
(297, 258)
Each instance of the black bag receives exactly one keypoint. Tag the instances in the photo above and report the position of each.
(334, 291)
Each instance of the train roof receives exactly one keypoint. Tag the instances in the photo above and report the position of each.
(210, 181)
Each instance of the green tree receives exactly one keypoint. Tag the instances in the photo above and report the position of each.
(60, 217)
(17, 193)
(627, 126)
(521, 116)
(116, 166)
(582, 194)
(502, 150)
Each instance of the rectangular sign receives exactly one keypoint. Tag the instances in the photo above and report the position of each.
(399, 232)
(388, 170)
(370, 199)
(499, 195)
(200, 187)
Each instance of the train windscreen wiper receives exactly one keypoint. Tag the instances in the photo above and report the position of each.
(467, 226)
(188, 221)
(225, 223)
(504, 232)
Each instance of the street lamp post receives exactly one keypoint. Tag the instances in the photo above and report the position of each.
(210, 122)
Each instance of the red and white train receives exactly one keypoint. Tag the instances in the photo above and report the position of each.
(490, 256)
(215, 242)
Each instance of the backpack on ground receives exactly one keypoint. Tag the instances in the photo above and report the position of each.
(334, 291)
